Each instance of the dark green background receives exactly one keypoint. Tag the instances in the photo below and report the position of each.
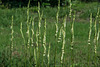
(23, 3)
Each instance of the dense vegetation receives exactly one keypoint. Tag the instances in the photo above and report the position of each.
(66, 36)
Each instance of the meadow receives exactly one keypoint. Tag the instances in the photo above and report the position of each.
(50, 37)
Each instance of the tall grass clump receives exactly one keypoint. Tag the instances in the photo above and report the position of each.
(28, 39)
(28, 27)
(57, 16)
(89, 39)
(12, 43)
(21, 30)
(31, 24)
(98, 34)
(95, 39)
(33, 46)
(63, 45)
(37, 49)
(56, 32)
(64, 41)
(32, 30)
(38, 34)
(44, 42)
(72, 40)
(39, 23)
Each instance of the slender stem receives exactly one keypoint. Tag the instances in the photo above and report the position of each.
(89, 39)
(28, 32)
(63, 52)
(44, 43)
(95, 39)
(24, 42)
(37, 47)
(70, 7)
(72, 41)
(56, 33)
(48, 55)
(12, 43)
(63, 45)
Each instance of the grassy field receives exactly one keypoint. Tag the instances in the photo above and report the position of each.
(82, 55)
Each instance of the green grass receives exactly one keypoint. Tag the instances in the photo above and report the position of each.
(81, 29)
(81, 37)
